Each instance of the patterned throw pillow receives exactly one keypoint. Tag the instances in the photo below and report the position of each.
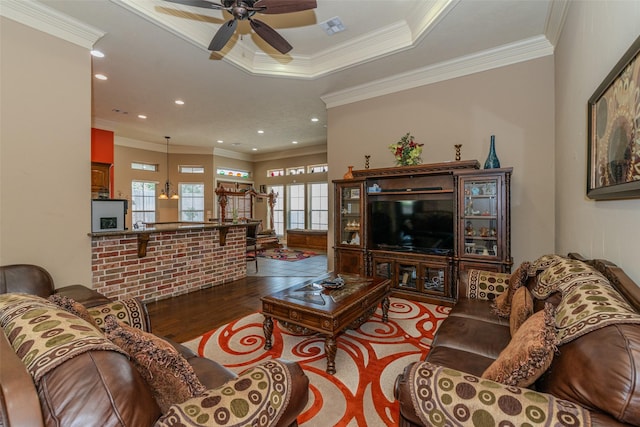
(521, 309)
(486, 285)
(130, 311)
(529, 352)
(259, 396)
(73, 307)
(171, 378)
(502, 303)
(444, 396)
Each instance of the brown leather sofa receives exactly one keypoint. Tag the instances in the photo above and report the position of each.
(98, 388)
(599, 371)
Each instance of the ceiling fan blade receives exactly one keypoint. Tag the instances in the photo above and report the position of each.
(284, 6)
(223, 35)
(199, 3)
(270, 35)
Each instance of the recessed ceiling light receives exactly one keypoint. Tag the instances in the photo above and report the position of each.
(220, 141)
(179, 102)
(260, 131)
(254, 149)
(294, 142)
(142, 116)
(97, 53)
(100, 76)
(314, 119)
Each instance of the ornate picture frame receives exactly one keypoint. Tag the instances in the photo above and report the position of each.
(613, 170)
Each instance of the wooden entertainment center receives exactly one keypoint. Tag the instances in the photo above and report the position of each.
(420, 226)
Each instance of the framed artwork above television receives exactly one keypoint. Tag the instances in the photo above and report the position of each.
(613, 170)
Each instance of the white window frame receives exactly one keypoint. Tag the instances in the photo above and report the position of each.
(188, 199)
(318, 205)
(296, 207)
(191, 169)
(141, 166)
(323, 168)
(139, 202)
(275, 172)
(298, 170)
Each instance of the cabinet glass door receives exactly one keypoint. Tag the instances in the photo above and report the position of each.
(407, 275)
(383, 268)
(433, 279)
(350, 219)
(480, 215)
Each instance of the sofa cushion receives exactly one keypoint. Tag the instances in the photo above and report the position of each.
(477, 309)
(599, 370)
(472, 363)
(131, 311)
(529, 352)
(502, 303)
(473, 336)
(170, 377)
(442, 395)
(486, 284)
(521, 309)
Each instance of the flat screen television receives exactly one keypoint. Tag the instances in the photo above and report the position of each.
(424, 226)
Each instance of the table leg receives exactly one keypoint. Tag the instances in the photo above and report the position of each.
(267, 327)
(330, 350)
(385, 309)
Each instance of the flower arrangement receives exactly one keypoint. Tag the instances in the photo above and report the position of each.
(406, 151)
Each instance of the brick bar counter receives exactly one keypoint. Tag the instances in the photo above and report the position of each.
(167, 260)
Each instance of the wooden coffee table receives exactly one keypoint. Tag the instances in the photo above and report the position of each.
(308, 308)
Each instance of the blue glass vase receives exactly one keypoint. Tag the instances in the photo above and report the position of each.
(492, 161)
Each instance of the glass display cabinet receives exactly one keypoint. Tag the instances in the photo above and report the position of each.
(349, 226)
(484, 220)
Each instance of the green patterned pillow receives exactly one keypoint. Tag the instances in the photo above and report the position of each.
(259, 393)
(486, 285)
(129, 311)
(444, 396)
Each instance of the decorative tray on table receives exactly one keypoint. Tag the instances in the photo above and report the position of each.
(336, 283)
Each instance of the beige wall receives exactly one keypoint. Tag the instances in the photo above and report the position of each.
(45, 193)
(515, 103)
(594, 38)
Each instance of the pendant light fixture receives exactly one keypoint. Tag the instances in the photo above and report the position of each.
(164, 193)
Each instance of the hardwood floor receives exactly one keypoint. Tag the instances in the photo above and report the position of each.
(188, 316)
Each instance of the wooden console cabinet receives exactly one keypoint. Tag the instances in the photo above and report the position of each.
(306, 238)
(419, 226)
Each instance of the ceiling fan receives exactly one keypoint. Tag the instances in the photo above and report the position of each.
(245, 9)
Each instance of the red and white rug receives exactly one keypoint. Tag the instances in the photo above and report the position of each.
(283, 254)
(368, 361)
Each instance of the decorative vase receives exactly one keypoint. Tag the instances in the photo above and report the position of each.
(349, 174)
(492, 161)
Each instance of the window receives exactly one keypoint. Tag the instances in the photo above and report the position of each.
(296, 208)
(233, 173)
(319, 203)
(192, 202)
(295, 171)
(275, 172)
(144, 166)
(143, 201)
(191, 169)
(278, 209)
(317, 168)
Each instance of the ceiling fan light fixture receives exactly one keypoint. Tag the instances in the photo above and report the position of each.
(332, 26)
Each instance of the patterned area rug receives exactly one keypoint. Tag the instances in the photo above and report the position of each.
(368, 361)
(285, 254)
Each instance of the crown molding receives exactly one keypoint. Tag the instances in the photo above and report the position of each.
(558, 10)
(43, 18)
(512, 53)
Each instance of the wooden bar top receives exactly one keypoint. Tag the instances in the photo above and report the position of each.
(161, 227)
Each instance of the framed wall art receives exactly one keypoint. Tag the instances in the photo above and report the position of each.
(613, 170)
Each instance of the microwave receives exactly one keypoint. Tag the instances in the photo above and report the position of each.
(108, 215)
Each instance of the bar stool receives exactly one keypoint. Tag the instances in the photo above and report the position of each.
(252, 243)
